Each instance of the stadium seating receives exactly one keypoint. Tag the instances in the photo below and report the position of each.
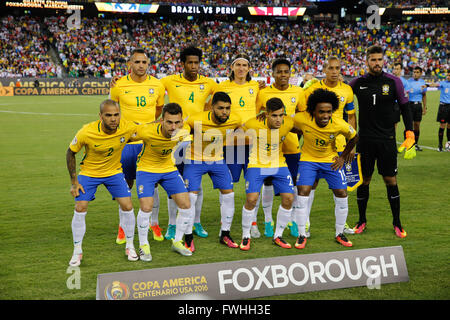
(100, 47)
(24, 49)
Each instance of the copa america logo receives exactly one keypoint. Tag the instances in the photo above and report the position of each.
(117, 291)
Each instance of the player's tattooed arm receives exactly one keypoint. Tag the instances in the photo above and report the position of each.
(71, 167)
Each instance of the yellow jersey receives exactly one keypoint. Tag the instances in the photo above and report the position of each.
(102, 151)
(294, 100)
(190, 95)
(138, 100)
(157, 151)
(267, 143)
(209, 136)
(318, 143)
(243, 97)
(345, 95)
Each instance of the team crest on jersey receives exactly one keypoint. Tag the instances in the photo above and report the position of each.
(385, 89)
(331, 136)
(202, 87)
(250, 91)
(151, 91)
(342, 99)
(348, 167)
(122, 139)
(293, 100)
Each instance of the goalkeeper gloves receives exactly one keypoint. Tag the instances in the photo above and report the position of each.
(408, 144)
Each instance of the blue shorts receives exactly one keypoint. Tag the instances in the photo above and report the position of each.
(180, 154)
(237, 160)
(218, 171)
(308, 172)
(128, 159)
(115, 184)
(280, 177)
(172, 182)
(292, 163)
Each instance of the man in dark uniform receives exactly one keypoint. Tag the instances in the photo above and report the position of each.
(377, 92)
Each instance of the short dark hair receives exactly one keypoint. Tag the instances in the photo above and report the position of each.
(244, 56)
(373, 49)
(398, 64)
(418, 68)
(171, 108)
(220, 96)
(281, 61)
(108, 102)
(190, 51)
(274, 104)
(138, 50)
(319, 96)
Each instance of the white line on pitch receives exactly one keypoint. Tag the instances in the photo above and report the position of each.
(425, 147)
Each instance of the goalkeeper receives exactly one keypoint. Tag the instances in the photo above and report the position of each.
(377, 93)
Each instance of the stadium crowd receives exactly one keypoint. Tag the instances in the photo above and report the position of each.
(100, 47)
(24, 49)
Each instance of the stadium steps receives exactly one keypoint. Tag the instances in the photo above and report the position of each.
(52, 51)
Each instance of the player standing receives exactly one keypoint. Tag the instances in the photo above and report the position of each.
(320, 159)
(191, 91)
(377, 92)
(443, 115)
(103, 141)
(417, 101)
(141, 98)
(344, 92)
(293, 99)
(205, 156)
(266, 161)
(155, 166)
(398, 72)
(243, 92)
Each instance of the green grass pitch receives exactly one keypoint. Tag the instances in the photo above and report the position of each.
(36, 210)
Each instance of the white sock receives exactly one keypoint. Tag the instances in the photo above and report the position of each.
(310, 202)
(172, 210)
(283, 218)
(120, 216)
(301, 214)
(198, 205)
(128, 225)
(247, 218)
(184, 218)
(78, 230)
(193, 199)
(143, 220)
(256, 209)
(294, 207)
(340, 212)
(155, 210)
(267, 202)
(227, 211)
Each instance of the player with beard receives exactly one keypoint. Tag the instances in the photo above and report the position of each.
(205, 156)
(377, 92)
